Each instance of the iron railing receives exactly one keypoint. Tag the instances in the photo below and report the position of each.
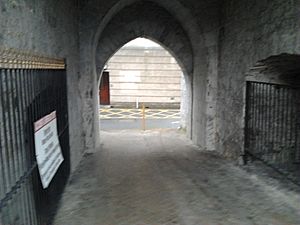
(272, 125)
(31, 87)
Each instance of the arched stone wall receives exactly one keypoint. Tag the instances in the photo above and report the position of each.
(151, 21)
(171, 24)
(145, 20)
(251, 32)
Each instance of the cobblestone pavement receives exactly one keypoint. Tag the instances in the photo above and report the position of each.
(160, 178)
(117, 113)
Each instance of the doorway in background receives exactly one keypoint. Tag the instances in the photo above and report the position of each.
(104, 94)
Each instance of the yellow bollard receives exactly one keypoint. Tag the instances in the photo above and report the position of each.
(143, 117)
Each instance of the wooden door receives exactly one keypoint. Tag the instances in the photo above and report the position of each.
(104, 94)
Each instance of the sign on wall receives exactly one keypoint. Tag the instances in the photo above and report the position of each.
(47, 148)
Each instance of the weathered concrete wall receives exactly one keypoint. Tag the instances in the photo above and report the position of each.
(146, 75)
(251, 31)
(48, 28)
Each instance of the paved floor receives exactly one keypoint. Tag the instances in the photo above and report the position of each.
(126, 124)
(160, 178)
(117, 113)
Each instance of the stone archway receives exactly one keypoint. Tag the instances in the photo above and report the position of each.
(150, 21)
(170, 24)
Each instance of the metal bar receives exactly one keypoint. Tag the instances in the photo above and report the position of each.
(247, 120)
(293, 115)
(26, 89)
(37, 77)
(27, 95)
(21, 107)
(263, 121)
(19, 139)
(256, 147)
(249, 115)
(21, 96)
(6, 215)
(275, 98)
(281, 126)
(33, 116)
(253, 138)
(267, 117)
(270, 123)
(275, 119)
(16, 132)
(280, 122)
(278, 153)
(256, 150)
(3, 170)
(253, 111)
(5, 130)
(14, 121)
(11, 119)
(286, 129)
(287, 118)
(28, 113)
(260, 118)
(281, 153)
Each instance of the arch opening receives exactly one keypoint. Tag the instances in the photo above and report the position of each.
(169, 24)
(147, 19)
(142, 73)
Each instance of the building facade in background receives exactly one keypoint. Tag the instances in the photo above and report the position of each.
(144, 74)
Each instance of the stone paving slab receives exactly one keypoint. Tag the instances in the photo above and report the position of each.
(159, 178)
(116, 113)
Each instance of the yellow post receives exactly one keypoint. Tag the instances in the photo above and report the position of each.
(143, 119)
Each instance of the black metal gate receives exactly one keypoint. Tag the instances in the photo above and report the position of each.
(272, 125)
(30, 87)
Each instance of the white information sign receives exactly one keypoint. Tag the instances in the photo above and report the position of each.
(47, 148)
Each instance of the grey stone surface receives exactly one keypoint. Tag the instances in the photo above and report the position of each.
(159, 177)
(250, 31)
(48, 28)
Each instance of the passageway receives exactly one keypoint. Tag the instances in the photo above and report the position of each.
(159, 177)
(240, 64)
